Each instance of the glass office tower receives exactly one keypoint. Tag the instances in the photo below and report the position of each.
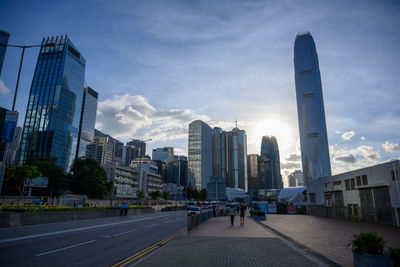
(4, 36)
(237, 159)
(88, 120)
(269, 164)
(218, 153)
(54, 105)
(199, 154)
(310, 108)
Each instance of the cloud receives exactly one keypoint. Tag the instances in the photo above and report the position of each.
(290, 165)
(3, 88)
(391, 147)
(128, 116)
(368, 152)
(362, 138)
(348, 135)
(293, 157)
(349, 158)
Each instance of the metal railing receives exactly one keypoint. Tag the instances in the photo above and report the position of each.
(195, 220)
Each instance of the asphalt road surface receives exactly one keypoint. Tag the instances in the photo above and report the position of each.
(97, 242)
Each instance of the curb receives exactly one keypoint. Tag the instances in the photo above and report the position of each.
(302, 247)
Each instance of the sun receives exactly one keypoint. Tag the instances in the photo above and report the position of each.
(282, 130)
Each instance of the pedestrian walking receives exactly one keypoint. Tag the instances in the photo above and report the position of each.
(232, 213)
(122, 207)
(126, 207)
(242, 214)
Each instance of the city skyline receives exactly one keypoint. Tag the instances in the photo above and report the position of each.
(238, 59)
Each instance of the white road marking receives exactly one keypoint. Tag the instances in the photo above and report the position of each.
(77, 229)
(124, 232)
(151, 225)
(60, 249)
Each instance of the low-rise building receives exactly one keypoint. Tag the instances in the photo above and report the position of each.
(370, 194)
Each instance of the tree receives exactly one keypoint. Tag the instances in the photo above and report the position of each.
(15, 177)
(203, 194)
(56, 175)
(166, 195)
(155, 195)
(87, 177)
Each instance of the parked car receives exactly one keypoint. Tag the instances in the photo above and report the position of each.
(193, 210)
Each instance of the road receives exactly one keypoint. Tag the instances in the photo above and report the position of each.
(97, 242)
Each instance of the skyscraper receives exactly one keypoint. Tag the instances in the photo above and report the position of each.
(88, 120)
(165, 154)
(269, 164)
(237, 159)
(310, 108)
(133, 150)
(252, 174)
(218, 153)
(54, 105)
(102, 149)
(199, 154)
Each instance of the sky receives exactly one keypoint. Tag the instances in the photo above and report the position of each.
(158, 65)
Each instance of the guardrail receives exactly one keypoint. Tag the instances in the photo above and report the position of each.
(195, 220)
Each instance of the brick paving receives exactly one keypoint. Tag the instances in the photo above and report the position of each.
(328, 236)
(216, 243)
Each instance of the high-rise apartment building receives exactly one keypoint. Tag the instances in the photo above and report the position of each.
(88, 120)
(102, 149)
(199, 154)
(269, 164)
(310, 108)
(133, 150)
(237, 159)
(53, 112)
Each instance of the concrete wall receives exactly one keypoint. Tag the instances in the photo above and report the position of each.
(10, 219)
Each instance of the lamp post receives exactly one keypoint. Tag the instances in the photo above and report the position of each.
(15, 97)
(140, 175)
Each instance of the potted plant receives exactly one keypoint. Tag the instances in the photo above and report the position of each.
(394, 254)
(369, 250)
(258, 215)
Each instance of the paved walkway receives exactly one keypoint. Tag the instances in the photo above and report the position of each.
(217, 243)
(328, 236)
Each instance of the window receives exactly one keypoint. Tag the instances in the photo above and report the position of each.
(312, 135)
(352, 184)
(309, 95)
(337, 183)
(364, 180)
(358, 180)
(74, 52)
(347, 182)
(305, 72)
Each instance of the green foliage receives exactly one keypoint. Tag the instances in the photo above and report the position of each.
(203, 194)
(15, 176)
(367, 243)
(394, 254)
(56, 175)
(192, 193)
(141, 194)
(257, 213)
(87, 177)
(166, 195)
(155, 195)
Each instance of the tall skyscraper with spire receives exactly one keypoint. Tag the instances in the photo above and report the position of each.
(310, 108)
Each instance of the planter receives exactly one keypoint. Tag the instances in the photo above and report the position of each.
(261, 218)
(367, 260)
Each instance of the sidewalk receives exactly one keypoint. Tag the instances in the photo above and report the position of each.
(217, 243)
(328, 236)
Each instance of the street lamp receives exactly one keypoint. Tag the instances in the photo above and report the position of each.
(140, 174)
(15, 97)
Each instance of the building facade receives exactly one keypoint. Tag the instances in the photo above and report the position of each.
(269, 164)
(219, 153)
(13, 147)
(252, 174)
(4, 36)
(88, 120)
(296, 179)
(369, 194)
(165, 154)
(237, 159)
(199, 154)
(53, 113)
(310, 109)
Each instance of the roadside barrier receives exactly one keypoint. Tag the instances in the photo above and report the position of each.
(195, 220)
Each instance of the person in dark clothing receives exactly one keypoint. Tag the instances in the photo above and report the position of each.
(232, 213)
(122, 207)
(126, 207)
(242, 214)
